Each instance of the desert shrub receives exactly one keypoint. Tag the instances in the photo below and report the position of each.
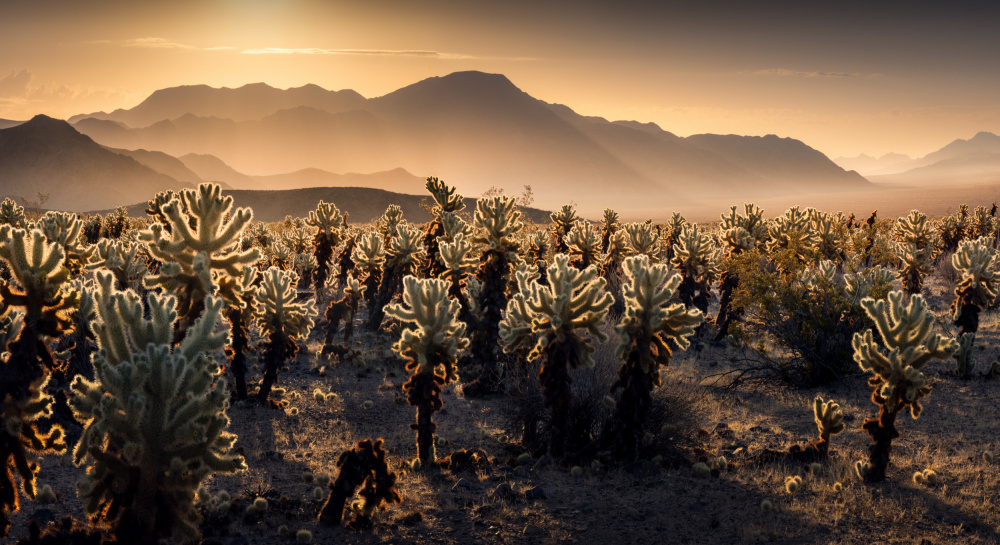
(796, 325)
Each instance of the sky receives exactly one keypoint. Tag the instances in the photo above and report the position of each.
(845, 77)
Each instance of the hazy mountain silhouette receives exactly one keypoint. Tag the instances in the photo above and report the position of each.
(973, 161)
(865, 164)
(362, 203)
(164, 164)
(8, 123)
(49, 156)
(474, 130)
(212, 169)
(249, 102)
(396, 180)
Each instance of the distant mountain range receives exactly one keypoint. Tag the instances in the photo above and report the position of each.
(49, 156)
(961, 162)
(473, 130)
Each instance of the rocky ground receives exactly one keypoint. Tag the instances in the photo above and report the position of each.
(537, 501)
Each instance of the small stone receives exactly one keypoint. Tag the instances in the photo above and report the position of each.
(531, 530)
(536, 493)
(504, 492)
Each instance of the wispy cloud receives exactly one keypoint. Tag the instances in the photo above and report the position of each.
(320, 51)
(16, 84)
(783, 72)
(159, 43)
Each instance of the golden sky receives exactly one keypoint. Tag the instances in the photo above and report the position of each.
(845, 77)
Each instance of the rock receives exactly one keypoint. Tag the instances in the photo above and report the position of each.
(464, 484)
(536, 493)
(503, 492)
(531, 530)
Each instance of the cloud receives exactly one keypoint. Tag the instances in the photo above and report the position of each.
(158, 43)
(802, 74)
(16, 84)
(319, 51)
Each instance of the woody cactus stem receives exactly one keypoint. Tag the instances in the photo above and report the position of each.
(646, 330)
(362, 466)
(431, 351)
(978, 284)
(345, 263)
(342, 310)
(238, 317)
(446, 201)
(403, 255)
(897, 380)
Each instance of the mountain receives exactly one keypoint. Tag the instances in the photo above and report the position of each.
(7, 123)
(476, 131)
(164, 164)
(864, 164)
(961, 162)
(361, 203)
(249, 102)
(396, 180)
(212, 169)
(49, 156)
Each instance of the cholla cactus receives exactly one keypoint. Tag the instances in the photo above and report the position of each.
(453, 224)
(280, 255)
(116, 223)
(92, 229)
(459, 264)
(327, 220)
(240, 316)
(36, 311)
(584, 244)
(611, 269)
(282, 320)
(917, 263)
(538, 248)
(369, 256)
(562, 222)
(793, 231)
(154, 419)
(342, 310)
(753, 223)
(672, 233)
(647, 329)
(65, 229)
(303, 265)
(345, 261)
(549, 317)
(975, 262)
(874, 282)
(643, 239)
(828, 421)
(914, 229)
(122, 259)
(299, 239)
(431, 351)
(403, 256)
(953, 229)
(697, 259)
(11, 214)
(981, 224)
(829, 232)
(898, 382)
(609, 226)
(739, 234)
(362, 466)
(387, 224)
(201, 260)
(446, 202)
(497, 221)
(963, 356)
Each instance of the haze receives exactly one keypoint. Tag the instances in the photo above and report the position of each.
(845, 77)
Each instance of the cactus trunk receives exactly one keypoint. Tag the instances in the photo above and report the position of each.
(555, 380)
(882, 431)
(484, 347)
(237, 350)
(279, 350)
(423, 391)
(633, 406)
(727, 285)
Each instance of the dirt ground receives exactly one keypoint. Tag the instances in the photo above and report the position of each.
(539, 502)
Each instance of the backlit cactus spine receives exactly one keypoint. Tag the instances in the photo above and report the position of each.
(200, 260)
(739, 234)
(828, 419)
(978, 281)
(66, 230)
(154, 417)
(609, 226)
(915, 249)
(39, 307)
(327, 220)
(646, 330)
(673, 231)
(459, 264)
(584, 245)
(282, 321)
(342, 310)
(898, 382)
(643, 239)
(123, 260)
(497, 222)
(558, 321)
(431, 350)
(611, 270)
